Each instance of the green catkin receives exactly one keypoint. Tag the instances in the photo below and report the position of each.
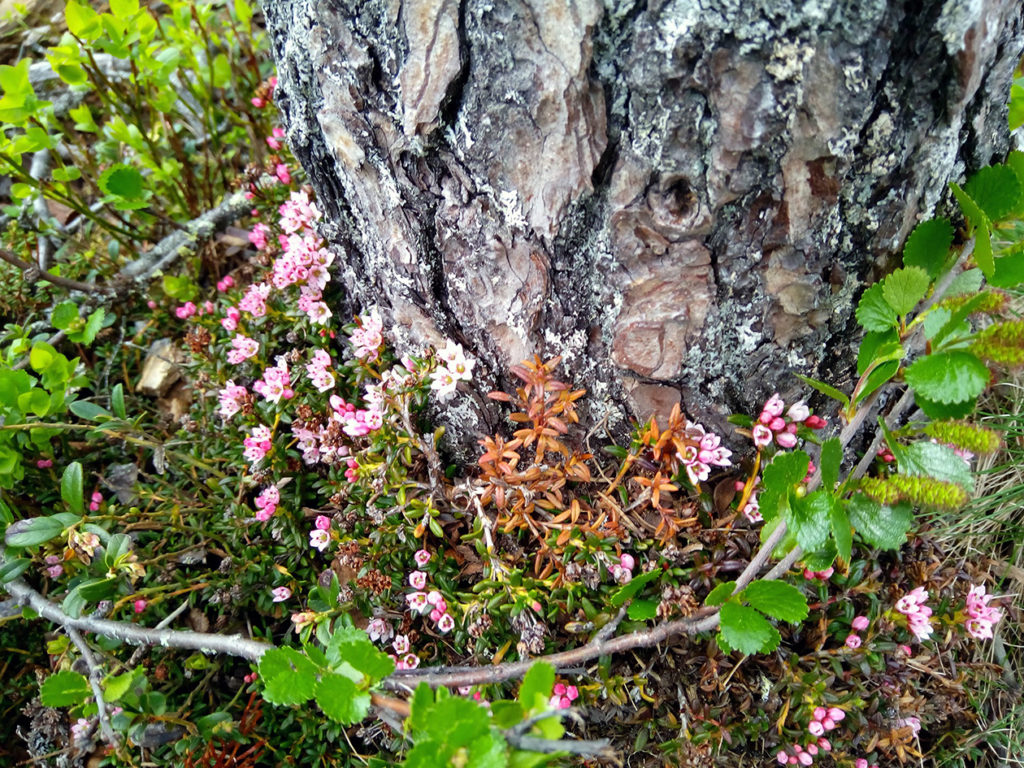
(880, 490)
(963, 434)
(1001, 343)
(993, 302)
(928, 492)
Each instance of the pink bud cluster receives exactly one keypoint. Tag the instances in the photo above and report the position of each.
(912, 606)
(274, 140)
(266, 503)
(796, 754)
(225, 283)
(255, 300)
(861, 762)
(403, 657)
(431, 603)
(698, 459)
(853, 640)
(356, 421)
(772, 425)
(95, 500)
(981, 617)
(819, 575)
(563, 696)
(752, 509)
(54, 568)
(622, 571)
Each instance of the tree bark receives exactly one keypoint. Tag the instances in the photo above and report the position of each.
(681, 199)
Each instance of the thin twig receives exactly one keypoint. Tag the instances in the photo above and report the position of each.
(95, 676)
(32, 271)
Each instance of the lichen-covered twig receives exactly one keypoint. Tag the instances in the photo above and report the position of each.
(95, 676)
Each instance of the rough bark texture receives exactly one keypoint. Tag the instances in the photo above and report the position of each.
(682, 199)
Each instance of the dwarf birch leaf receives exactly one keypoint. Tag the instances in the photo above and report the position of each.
(64, 689)
(642, 610)
(904, 289)
(746, 630)
(880, 526)
(720, 594)
(340, 699)
(288, 676)
(948, 377)
(535, 689)
(809, 519)
(876, 345)
(777, 599)
(925, 459)
(980, 228)
(996, 189)
(928, 246)
(873, 312)
(940, 411)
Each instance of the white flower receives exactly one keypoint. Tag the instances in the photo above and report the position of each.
(319, 539)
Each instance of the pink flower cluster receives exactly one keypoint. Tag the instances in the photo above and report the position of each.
(95, 500)
(622, 571)
(274, 140)
(368, 337)
(798, 755)
(912, 606)
(318, 370)
(563, 696)
(981, 616)
(853, 640)
(276, 383)
(225, 283)
(320, 536)
(408, 660)
(255, 300)
(54, 567)
(772, 425)
(356, 421)
(257, 443)
(699, 459)
(231, 398)
(267, 502)
(242, 348)
(433, 603)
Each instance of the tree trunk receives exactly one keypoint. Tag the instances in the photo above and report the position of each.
(682, 200)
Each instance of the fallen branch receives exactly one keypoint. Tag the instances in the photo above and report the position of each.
(33, 272)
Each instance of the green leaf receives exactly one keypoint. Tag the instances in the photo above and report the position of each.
(642, 610)
(90, 411)
(12, 567)
(64, 689)
(1016, 107)
(876, 379)
(777, 599)
(64, 314)
(125, 185)
(365, 658)
(968, 281)
(939, 411)
(340, 699)
(841, 531)
(808, 519)
(124, 9)
(996, 189)
(34, 401)
(116, 686)
(904, 289)
(927, 459)
(36, 530)
(92, 326)
(117, 401)
(928, 246)
(288, 676)
(83, 22)
(825, 389)
(948, 377)
(878, 346)
(880, 526)
(980, 227)
(822, 558)
(873, 312)
(778, 479)
(633, 586)
(1008, 271)
(720, 594)
(746, 630)
(420, 706)
(830, 461)
(535, 689)
(506, 713)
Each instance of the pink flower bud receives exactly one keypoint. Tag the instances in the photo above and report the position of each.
(627, 562)
(140, 606)
(258, 102)
(785, 439)
(820, 713)
(825, 744)
(836, 714)
(815, 728)
(860, 762)
(829, 723)
(44, 463)
(782, 757)
(805, 758)
(852, 642)
(860, 623)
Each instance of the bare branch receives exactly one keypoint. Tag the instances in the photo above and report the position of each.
(33, 270)
(95, 676)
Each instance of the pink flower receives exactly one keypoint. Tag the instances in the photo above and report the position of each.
(378, 629)
(627, 561)
(242, 348)
(860, 623)
(981, 617)
(825, 744)
(257, 102)
(446, 623)
(782, 757)
(785, 439)
(815, 728)
(280, 594)
(434, 597)
(319, 539)
(836, 714)
(418, 602)
(44, 463)
(140, 606)
(281, 170)
(852, 642)
(185, 311)
(411, 661)
(798, 412)
(804, 758)
(762, 435)
(815, 422)
(422, 557)
(401, 644)
(418, 580)
(860, 762)
(322, 523)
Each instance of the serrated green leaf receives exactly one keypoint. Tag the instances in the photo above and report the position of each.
(841, 531)
(927, 459)
(642, 610)
(928, 246)
(877, 345)
(873, 311)
(825, 389)
(124, 182)
(777, 599)
(288, 676)
(939, 411)
(64, 314)
(1008, 271)
(720, 594)
(830, 461)
(535, 689)
(948, 377)
(904, 289)
(746, 630)
(64, 689)
(340, 699)
(71, 488)
(968, 281)
(116, 686)
(880, 526)
(996, 189)
(420, 706)
(808, 519)
(364, 657)
(821, 559)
